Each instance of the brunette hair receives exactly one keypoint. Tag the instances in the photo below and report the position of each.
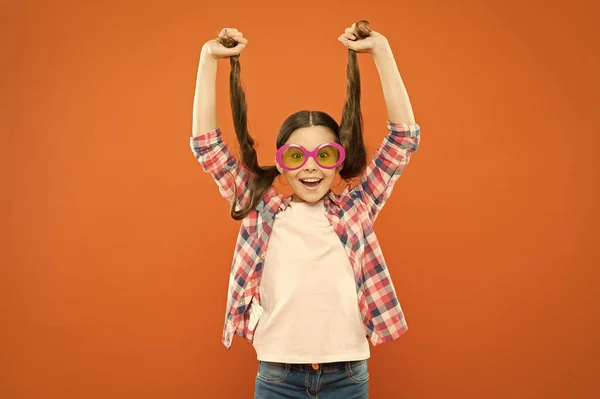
(348, 132)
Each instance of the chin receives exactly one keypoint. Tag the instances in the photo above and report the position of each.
(311, 195)
(311, 198)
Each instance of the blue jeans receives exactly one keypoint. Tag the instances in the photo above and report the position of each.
(343, 380)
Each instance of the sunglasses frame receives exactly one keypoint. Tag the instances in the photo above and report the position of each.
(307, 154)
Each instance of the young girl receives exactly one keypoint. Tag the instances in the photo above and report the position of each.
(309, 286)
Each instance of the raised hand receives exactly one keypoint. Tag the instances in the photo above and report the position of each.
(362, 39)
(229, 43)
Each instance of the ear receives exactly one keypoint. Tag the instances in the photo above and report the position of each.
(278, 167)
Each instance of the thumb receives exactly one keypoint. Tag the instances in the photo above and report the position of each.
(350, 44)
(232, 46)
(234, 50)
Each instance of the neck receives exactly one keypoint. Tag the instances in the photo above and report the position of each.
(296, 198)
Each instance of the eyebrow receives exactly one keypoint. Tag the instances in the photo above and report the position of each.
(320, 144)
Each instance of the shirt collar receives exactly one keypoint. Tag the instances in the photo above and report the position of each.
(331, 196)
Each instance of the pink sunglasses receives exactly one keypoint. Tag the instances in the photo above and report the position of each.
(294, 156)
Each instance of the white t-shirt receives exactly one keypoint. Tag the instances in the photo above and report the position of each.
(308, 295)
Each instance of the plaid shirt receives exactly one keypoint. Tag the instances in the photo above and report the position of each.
(351, 213)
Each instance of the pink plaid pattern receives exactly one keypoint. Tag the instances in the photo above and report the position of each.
(351, 213)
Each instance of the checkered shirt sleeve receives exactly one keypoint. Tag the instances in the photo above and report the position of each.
(390, 159)
(217, 160)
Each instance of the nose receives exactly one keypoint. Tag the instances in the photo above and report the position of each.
(310, 165)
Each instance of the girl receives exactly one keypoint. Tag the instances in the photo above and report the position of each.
(309, 286)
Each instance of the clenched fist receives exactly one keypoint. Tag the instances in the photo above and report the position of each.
(229, 43)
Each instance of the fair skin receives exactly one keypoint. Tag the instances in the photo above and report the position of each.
(397, 102)
(310, 138)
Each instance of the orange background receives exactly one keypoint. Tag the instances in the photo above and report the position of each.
(116, 246)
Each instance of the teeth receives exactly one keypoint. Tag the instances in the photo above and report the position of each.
(311, 180)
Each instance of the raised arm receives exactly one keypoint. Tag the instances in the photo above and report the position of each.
(206, 142)
(397, 102)
(204, 117)
(403, 135)
(205, 97)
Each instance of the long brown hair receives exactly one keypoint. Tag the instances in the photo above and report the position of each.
(349, 132)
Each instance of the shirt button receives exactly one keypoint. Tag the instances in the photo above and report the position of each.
(262, 256)
(315, 366)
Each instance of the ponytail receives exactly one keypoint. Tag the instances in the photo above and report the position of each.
(351, 125)
(261, 178)
(350, 129)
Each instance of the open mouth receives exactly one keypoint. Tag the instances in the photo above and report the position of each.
(311, 183)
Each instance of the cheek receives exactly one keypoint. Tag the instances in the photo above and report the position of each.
(329, 175)
(292, 176)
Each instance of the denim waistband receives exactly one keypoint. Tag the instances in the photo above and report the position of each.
(324, 368)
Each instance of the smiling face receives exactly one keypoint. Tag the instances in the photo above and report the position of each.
(310, 182)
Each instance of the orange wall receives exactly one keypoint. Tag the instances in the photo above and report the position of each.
(116, 246)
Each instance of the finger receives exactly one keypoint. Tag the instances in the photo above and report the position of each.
(350, 44)
(238, 40)
(349, 30)
(232, 32)
(344, 40)
(234, 50)
(354, 45)
(238, 49)
(227, 31)
(235, 35)
(350, 36)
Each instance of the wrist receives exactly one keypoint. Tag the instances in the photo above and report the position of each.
(206, 56)
(382, 49)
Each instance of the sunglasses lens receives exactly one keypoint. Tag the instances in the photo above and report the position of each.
(292, 157)
(328, 156)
